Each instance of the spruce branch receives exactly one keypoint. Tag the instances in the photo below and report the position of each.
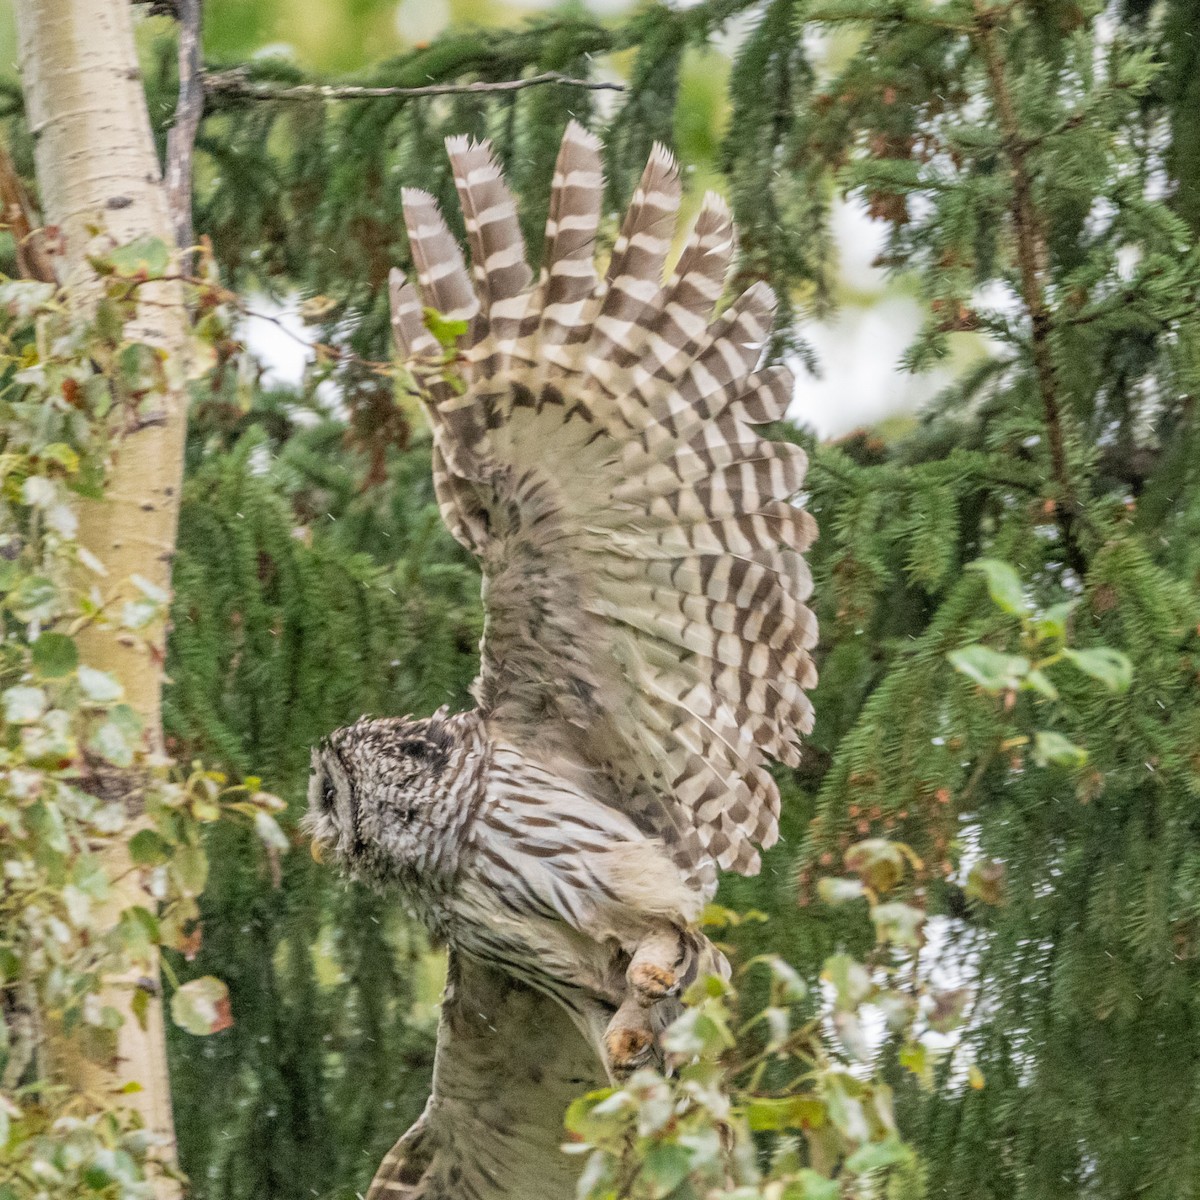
(1033, 265)
(236, 84)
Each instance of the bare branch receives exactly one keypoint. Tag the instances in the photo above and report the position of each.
(19, 216)
(182, 137)
(238, 85)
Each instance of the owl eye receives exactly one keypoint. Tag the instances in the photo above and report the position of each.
(421, 751)
(327, 795)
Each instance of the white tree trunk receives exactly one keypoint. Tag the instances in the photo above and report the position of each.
(98, 170)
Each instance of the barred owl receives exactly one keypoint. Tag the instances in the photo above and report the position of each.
(646, 643)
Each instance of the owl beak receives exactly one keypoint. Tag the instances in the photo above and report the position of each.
(317, 852)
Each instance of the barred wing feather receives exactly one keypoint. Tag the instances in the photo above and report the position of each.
(595, 447)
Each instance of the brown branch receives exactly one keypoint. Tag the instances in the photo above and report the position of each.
(182, 138)
(19, 216)
(1033, 265)
(237, 85)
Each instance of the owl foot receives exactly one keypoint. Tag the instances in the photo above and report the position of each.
(628, 1040)
(653, 973)
(652, 982)
(628, 1049)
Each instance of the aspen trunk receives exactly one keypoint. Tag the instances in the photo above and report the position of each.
(97, 169)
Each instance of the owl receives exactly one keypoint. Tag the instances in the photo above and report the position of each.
(646, 646)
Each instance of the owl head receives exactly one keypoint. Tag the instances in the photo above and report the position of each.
(384, 795)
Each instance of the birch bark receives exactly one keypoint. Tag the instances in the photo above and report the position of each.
(101, 184)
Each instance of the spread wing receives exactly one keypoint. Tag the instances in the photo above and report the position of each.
(595, 447)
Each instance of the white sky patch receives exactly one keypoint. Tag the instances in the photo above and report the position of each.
(279, 340)
(859, 347)
(861, 381)
(420, 21)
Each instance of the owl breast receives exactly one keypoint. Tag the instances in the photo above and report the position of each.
(556, 887)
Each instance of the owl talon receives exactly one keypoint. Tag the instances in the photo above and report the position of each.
(652, 983)
(628, 1048)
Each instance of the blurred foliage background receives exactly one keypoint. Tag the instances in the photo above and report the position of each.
(1010, 196)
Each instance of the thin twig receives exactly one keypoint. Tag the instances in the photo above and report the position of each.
(223, 295)
(237, 84)
(182, 138)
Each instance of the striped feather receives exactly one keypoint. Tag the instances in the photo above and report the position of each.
(595, 446)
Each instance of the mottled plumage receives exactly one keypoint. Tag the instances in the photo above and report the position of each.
(646, 647)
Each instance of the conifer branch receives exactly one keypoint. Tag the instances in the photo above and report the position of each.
(1033, 264)
(238, 85)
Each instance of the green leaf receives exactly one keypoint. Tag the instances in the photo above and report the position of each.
(90, 877)
(898, 924)
(24, 297)
(112, 743)
(852, 1035)
(127, 721)
(1038, 681)
(808, 1185)
(140, 1004)
(843, 1101)
(849, 978)
(993, 671)
(149, 849)
(914, 1057)
(878, 862)
(876, 1155)
(33, 599)
(143, 258)
(588, 1121)
(699, 1031)
(1050, 747)
(269, 832)
(772, 1114)
(151, 591)
(23, 705)
(202, 1006)
(1053, 622)
(1110, 667)
(1003, 584)
(55, 655)
(985, 882)
(789, 986)
(140, 368)
(665, 1166)
(99, 687)
(446, 331)
(190, 864)
(61, 455)
(840, 891)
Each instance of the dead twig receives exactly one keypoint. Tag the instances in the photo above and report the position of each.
(20, 217)
(236, 84)
(181, 140)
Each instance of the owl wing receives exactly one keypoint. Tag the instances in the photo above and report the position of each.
(595, 446)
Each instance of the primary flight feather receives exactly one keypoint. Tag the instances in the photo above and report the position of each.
(646, 650)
